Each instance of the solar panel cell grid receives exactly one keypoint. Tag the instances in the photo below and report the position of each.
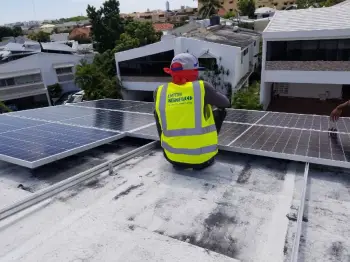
(230, 131)
(142, 108)
(149, 132)
(112, 120)
(108, 104)
(243, 116)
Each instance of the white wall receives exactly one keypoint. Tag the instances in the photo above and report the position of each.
(265, 94)
(313, 90)
(44, 62)
(229, 55)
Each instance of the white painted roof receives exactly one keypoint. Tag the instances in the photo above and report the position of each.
(264, 10)
(314, 19)
(147, 211)
(47, 26)
(57, 47)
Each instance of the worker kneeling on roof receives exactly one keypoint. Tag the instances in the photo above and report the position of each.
(187, 125)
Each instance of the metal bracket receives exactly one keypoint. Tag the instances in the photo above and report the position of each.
(296, 244)
(57, 188)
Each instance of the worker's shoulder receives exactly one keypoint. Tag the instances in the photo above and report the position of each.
(207, 85)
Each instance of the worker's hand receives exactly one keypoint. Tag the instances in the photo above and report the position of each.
(336, 113)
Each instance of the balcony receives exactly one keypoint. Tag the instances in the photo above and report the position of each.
(308, 65)
(19, 91)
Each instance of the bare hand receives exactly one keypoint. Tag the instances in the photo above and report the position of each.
(336, 113)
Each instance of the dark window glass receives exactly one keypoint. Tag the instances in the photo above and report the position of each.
(208, 63)
(152, 65)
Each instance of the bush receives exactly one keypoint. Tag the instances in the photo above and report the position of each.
(248, 98)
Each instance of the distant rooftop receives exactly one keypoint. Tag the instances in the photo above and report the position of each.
(312, 19)
(225, 35)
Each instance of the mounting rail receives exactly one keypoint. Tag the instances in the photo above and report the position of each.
(296, 243)
(57, 188)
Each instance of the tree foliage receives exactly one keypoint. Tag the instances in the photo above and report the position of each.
(229, 15)
(41, 36)
(246, 7)
(248, 98)
(112, 34)
(209, 8)
(55, 90)
(107, 25)
(96, 83)
(8, 31)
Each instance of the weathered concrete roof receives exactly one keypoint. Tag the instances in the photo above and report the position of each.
(147, 211)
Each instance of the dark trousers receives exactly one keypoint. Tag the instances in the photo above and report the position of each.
(219, 117)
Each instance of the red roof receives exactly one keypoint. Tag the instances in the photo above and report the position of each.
(83, 32)
(163, 27)
(222, 12)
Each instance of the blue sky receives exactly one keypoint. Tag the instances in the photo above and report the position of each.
(22, 10)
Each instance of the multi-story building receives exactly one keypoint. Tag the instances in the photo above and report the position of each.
(306, 59)
(26, 70)
(234, 51)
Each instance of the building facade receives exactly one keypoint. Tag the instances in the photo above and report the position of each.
(141, 69)
(306, 60)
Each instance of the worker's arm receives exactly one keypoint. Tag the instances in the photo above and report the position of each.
(336, 113)
(159, 128)
(214, 97)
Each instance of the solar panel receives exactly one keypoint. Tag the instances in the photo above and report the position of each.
(230, 131)
(244, 116)
(112, 120)
(142, 108)
(38, 145)
(55, 113)
(295, 144)
(149, 132)
(108, 104)
(8, 123)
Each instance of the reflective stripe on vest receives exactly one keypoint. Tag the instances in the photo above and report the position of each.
(187, 151)
(198, 129)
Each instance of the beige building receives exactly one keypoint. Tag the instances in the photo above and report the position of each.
(231, 5)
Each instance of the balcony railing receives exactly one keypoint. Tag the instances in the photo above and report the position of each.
(308, 65)
(14, 92)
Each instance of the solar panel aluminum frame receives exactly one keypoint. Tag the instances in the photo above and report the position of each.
(132, 133)
(62, 155)
(298, 158)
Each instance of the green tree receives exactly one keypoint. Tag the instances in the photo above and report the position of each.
(41, 36)
(209, 8)
(107, 25)
(229, 15)
(55, 90)
(247, 98)
(143, 31)
(126, 42)
(6, 32)
(17, 31)
(95, 83)
(246, 7)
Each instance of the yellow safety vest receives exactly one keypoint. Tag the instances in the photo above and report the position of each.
(188, 136)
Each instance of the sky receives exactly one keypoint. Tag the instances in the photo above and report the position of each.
(22, 10)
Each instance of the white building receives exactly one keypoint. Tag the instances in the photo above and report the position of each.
(141, 69)
(47, 28)
(26, 72)
(306, 54)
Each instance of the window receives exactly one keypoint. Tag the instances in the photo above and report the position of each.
(254, 43)
(245, 52)
(64, 70)
(208, 63)
(231, 2)
(151, 65)
(281, 88)
(7, 82)
(309, 50)
(28, 79)
(231, 9)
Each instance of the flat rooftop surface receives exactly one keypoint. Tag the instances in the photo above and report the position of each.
(243, 208)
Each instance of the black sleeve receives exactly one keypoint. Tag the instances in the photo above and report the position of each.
(214, 97)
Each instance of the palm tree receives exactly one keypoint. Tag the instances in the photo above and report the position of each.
(209, 7)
